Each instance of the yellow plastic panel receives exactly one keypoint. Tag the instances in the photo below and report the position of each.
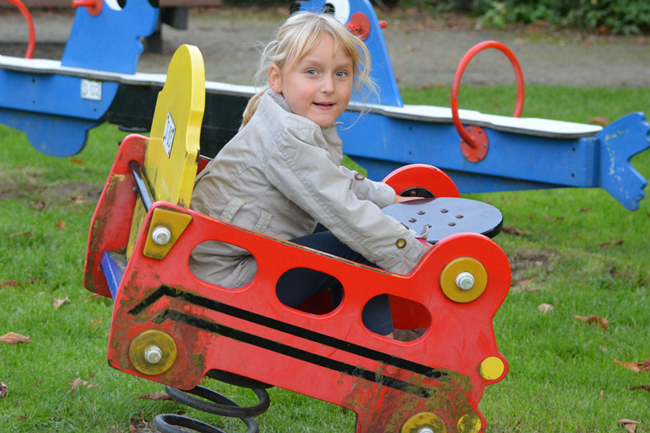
(174, 222)
(173, 147)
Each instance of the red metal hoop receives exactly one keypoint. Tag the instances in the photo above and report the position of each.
(471, 142)
(30, 24)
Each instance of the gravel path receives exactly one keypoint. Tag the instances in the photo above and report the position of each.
(423, 52)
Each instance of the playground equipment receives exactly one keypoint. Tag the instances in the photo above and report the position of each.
(55, 103)
(169, 326)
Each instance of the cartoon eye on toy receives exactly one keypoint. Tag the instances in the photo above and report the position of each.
(340, 9)
(116, 5)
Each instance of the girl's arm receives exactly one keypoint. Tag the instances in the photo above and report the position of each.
(304, 174)
(365, 189)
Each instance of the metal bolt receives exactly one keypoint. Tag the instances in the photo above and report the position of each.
(161, 235)
(425, 430)
(421, 212)
(459, 216)
(153, 354)
(465, 281)
(444, 211)
(451, 224)
(412, 220)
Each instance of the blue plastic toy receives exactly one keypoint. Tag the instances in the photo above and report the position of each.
(56, 103)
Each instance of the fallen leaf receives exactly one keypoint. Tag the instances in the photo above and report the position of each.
(602, 121)
(635, 366)
(38, 205)
(629, 424)
(13, 338)
(34, 281)
(93, 296)
(602, 393)
(79, 382)
(524, 282)
(603, 30)
(133, 429)
(609, 244)
(646, 387)
(9, 283)
(517, 232)
(11, 236)
(424, 87)
(21, 418)
(603, 323)
(4, 391)
(80, 199)
(545, 308)
(58, 302)
(77, 161)
(153, 396)
(97, 321)
(585, 209)
(440, 84)
(60, 225)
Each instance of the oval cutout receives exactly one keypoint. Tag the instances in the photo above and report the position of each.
(310, 291)
(223, 264)
(410, 319)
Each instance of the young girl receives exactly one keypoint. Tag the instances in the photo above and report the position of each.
(281, 173)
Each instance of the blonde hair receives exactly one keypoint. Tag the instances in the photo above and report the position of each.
(296, 38)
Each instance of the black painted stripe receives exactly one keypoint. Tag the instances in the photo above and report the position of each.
(293, 352)
(289, 329)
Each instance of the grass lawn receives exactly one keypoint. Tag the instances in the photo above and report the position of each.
(581, 252)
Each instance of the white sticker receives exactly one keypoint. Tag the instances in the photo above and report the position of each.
(168, 136)
(91, 90)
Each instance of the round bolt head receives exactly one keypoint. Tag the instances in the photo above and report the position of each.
(153, 354)
(425, 430)
(465, 281)
(161, 235)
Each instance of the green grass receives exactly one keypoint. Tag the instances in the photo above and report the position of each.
(562, 374)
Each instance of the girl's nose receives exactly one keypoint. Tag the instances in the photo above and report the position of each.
(327, 85)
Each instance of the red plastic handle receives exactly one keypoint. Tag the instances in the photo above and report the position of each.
(459, 75)
(94, 7)
(30, 24)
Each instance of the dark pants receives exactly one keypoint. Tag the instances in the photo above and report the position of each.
(297, 285)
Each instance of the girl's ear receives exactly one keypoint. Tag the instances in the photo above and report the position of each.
(275, 78)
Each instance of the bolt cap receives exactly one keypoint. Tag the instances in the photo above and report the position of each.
(153, 354)
(465, 281)
(161, 235)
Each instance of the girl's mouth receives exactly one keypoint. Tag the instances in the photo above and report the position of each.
(324, 104)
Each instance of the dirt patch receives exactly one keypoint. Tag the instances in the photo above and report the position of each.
(528, 264)
(25, 183)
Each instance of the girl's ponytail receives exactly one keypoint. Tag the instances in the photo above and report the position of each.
(251, 107)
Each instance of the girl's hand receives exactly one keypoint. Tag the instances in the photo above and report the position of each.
(400, 199)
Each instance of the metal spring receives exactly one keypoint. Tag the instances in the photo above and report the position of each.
(217, 404)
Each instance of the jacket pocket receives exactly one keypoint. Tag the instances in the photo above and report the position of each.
(231, 209)
(263, 222)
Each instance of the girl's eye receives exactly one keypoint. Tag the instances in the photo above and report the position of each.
(312, 72)
(342, 74)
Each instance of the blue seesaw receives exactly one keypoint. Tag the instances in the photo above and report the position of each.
(56, 103)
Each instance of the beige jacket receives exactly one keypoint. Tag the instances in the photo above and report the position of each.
(281, 175)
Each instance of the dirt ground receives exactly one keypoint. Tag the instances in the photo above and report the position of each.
(424, 50)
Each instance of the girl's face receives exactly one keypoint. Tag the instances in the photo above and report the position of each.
(319, 86)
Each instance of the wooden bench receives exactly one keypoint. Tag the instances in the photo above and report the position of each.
(169, 326)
